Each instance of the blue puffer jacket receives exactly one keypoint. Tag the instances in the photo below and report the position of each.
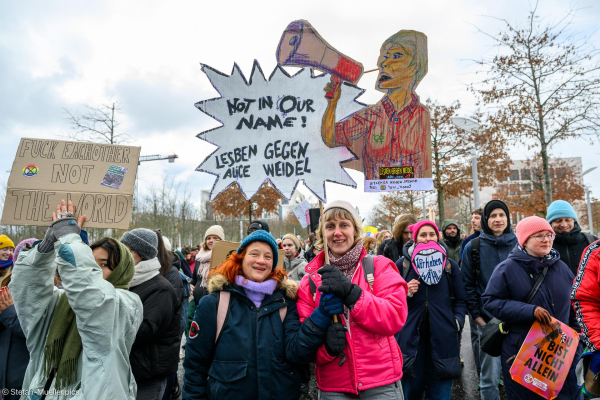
(493, 250)
(14, 355)
(257, 354)
(505, 298)
(442, 321)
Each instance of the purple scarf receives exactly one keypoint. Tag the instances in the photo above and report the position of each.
(7, 263)
(256, 291)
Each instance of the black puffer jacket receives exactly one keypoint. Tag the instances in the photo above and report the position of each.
(570, 246)
(392, 249)
(155, 352)
(175, 279)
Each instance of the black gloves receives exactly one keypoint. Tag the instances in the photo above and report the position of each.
(59, 228)
(335, 339)
(334, 281)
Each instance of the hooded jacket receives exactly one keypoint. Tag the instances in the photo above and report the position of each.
(452, 244)
(505, 298)
(570, 246)
(257, 355)
(155, 353)
(373, 358)
(107, 320)
(493, 250)
(290, 264)
(443, 315)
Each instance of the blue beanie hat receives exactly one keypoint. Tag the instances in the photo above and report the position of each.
(261, 236)
(560, 209)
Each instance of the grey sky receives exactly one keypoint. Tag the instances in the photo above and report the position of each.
(146, 54)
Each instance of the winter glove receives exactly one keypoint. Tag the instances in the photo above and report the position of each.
(331, 304)
(595, 363)
(58, 229)
(321, 319)
(334, 281)
(335, 339)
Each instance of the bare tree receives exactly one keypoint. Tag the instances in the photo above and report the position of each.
(544, 83)
(97, 124)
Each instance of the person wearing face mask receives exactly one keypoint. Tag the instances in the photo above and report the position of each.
(479, 259)
(570, 242)
(246, 341)
(360, 355)
(392, 248)
(510, 284)
(79, 337)
(436, 313)
(155, 352)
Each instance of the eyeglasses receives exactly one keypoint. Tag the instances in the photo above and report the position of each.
(540, 238)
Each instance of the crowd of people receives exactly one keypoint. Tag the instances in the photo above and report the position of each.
(105, 320)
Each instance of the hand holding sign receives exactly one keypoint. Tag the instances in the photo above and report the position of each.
(542, 316)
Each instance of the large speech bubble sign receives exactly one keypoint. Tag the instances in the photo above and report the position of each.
(272, 131)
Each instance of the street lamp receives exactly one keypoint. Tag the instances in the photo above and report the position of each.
(470, 125)
(587, 196)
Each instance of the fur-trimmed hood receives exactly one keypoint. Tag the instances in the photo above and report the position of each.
(217, 282)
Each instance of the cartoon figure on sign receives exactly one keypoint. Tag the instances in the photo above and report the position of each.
(396, 130)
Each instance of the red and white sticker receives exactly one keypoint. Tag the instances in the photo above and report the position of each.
(194, 330)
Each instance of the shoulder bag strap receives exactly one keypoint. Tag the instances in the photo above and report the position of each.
(293, 269)
(537, 285)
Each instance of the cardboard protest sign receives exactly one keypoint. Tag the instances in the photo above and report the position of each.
(98, 178)
(301, 212)
(222, 249)
(391, 138)
(545, 358)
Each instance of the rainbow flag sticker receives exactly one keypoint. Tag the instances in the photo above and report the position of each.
(30, 170)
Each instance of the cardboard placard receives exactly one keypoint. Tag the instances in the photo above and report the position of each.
(98, 178)
(222, 249)
(301, 212)
(545, 358)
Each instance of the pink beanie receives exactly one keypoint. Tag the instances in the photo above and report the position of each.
(530, 226)
(415, 228)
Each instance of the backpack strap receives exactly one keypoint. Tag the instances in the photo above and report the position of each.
(476, 257)
(369, 270)
(313, 287)
(590, 238)
(222, 311)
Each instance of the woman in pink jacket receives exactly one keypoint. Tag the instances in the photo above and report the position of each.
(361, 358)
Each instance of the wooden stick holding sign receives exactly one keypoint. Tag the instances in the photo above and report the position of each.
(325, 248)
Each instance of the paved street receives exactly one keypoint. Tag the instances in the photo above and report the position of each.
(464, 388)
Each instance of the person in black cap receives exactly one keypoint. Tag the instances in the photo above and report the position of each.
(258, 225)
(479, 259)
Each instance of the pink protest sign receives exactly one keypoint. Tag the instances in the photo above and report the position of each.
(545, 358)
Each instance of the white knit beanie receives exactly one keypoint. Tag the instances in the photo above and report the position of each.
(345, 206)
(167, 243)
(216, 230)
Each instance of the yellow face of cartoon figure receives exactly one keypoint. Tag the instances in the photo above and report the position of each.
(395, 69)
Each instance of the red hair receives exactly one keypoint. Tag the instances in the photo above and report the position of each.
(232, 267)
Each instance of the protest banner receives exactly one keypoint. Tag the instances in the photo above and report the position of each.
(223, 249)
(301, 212)
(369, 231)
(98, 178)
(545, 358)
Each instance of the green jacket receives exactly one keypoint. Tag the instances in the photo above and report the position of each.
(107, 320)
(453, 248)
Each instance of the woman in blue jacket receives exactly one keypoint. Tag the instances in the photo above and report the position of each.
(506, 295)
(256, 352)
(436, 312)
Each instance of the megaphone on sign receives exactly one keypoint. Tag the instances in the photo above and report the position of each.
(302, 46)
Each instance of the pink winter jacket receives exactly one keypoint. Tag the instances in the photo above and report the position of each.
(373, 357)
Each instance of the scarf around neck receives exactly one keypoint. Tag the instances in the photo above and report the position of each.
(348, 262)
(144, 271)
(63, 345)
(256, 291)
(203, 259)
(7, 263)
